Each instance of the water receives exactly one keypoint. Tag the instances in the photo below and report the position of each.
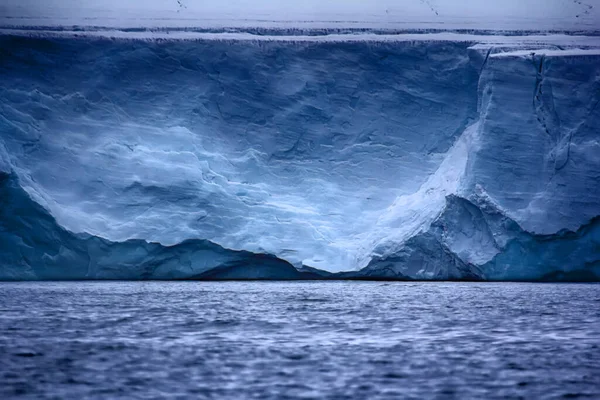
(275, 340)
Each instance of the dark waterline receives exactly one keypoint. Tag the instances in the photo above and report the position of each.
(278, 340)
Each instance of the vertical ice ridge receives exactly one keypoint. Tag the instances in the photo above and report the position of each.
(543, 102)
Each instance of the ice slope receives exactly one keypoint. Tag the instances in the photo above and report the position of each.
(33, 246)
(339, 153)
(475, 240)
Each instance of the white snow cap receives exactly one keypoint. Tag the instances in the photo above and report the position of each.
(393, 14)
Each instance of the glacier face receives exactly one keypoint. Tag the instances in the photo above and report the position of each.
(429, 157)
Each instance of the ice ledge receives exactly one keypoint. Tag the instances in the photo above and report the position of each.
(490, 39)
(33, 247)
(473, 239)
(548, 53)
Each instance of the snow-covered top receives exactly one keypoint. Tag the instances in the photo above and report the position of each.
(548, 53)
(516, 45)
(511, 15)
(483, 41)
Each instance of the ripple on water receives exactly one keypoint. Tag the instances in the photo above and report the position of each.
(276, 340)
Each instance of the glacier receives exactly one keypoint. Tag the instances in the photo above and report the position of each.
(177, 154)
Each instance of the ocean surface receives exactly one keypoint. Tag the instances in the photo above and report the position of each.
(305, 340)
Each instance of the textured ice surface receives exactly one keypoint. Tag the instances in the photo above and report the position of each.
(474, 240)
(336, 153)
(34, 246)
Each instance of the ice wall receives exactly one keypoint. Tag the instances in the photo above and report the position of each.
(289, 149)
(337, 153)
(540, 124)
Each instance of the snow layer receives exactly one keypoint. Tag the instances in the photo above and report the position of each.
(337, 154)
(308, 14)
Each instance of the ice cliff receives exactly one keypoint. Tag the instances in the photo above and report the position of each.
(216, 155)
